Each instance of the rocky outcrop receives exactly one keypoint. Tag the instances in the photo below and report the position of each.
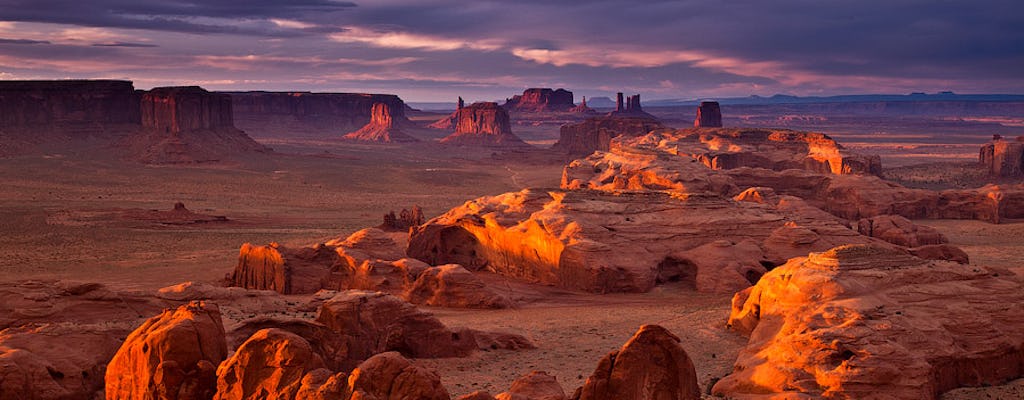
(286, 270)
(453, 286)
(901, 231)
(391, 376)
(541, 100)
(537, 385)
(184, 125)
(1003, 157)
(173, 355)
(585, 239)
(857, 321)
(269, 365)
(597, 133)
(709, 115)
(377, 322)
(385, 126)
(483, 124)
(651, 365)
(305, 114)
(582, 108)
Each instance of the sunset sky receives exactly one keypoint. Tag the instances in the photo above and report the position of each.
(434, 50)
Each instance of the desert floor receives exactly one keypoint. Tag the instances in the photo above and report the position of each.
(70, 216)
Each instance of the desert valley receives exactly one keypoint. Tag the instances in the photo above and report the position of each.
(182, 243)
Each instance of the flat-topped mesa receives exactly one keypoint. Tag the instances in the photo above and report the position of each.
(709, 115)
(384, 127)
(541, 100)
(483, 124)
(68, 107)
(265, 114)
(597, 133)
(186, 108)
(188, 125)
(1002, 157)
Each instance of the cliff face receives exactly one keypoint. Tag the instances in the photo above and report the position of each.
(483, 124)
(541, 100)
(597, 133)
(384, 126)
(709, 115)
(270, 114)
(1003, 157)
(67, 106)
(186, 108)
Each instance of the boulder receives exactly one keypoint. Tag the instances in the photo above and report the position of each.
(856, 321)
(269, 365)
(173, 355)
(451, 285)
(536, 385)
(651, 365)
(391, 376)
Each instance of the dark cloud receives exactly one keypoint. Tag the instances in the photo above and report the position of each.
(22, 41)
(124, 44)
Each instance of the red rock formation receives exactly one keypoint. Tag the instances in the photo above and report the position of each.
(857, 321)
(901, 231)
(583, 108)
(188, 125)
(1003, 157)
(391, 376)
(597, 133)
(72, 106)
(321, 115)
(269, 365)
(285, 270)
(172, 356)
(537, 385)
(483, 124)
(385, 126)
(709, 115)
(651, 365)
(586, 240)
(453, 286)
(541, 100)
(379, 322)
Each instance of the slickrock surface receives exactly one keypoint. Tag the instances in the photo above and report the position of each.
(857, 321)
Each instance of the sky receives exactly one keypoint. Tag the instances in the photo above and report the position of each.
(434, 50)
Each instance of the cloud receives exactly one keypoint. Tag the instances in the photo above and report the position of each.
(23, 41)
(406, 40)
(124, 44)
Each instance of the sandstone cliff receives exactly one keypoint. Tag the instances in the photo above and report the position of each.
(304, 114)
(709, 115)
(1003, 157)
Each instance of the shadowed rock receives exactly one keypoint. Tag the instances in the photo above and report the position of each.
(651, 365)
(541, 100)
(1003, 157)
(709, 115)
(597, 133)
(305, 114)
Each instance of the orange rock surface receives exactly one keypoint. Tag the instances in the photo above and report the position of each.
(651, 365)
(269, 365)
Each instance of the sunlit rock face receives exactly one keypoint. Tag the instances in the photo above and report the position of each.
(483, 124)
(264, 114)
(709, 115)
(186, 108)
(385, 126)
(651, 365)
(541, 100)
(1003, 157)
(857, 321)
(587, 240)
(597, 133)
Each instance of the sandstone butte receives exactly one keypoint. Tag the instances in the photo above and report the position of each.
(864, 322)
(709, 115)
(541, 100)
(385, 126)
(1003, 157)
(483, 124)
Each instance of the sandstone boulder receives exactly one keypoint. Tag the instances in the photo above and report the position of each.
(651, 365)
(452, 285)
(173, 355)
(391, 376)
(537, 385)
(857, 321)
(269, 365)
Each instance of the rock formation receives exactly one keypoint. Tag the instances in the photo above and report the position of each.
(709, 115)
(283, 269)
(318, 115)
(404, 220)
(901, 231)
(585, 239)
(631, 107)
(483, 124)
(188, 125)
(857, 321)
(537, 385)
(582, 108)
(1003, 157)
(448, 123)
(453, 286)
(385, 126)
(541, 100)
(391, 376)
(269, 365)
(71, 107)
(651, 365)
(597, 133)
(172, 356)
